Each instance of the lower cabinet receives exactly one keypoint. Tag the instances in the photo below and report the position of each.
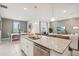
(40, 51)
(31, 49)
(27, 46)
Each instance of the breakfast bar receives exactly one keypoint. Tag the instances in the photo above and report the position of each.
(52, 46)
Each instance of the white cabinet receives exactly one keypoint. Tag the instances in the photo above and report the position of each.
(23, 46)
(74, 43)
(27, 46)
(31, 49)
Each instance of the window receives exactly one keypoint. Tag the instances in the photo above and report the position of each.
(16, 26)
(44, 27)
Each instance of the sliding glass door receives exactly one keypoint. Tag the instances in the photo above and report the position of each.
(19, 26)
(16, 27)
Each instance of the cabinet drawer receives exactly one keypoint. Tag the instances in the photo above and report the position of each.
(27, 46)
(30, 50)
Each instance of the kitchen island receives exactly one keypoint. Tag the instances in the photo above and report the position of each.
(48, 46)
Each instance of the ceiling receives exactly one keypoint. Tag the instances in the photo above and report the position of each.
(39, 11)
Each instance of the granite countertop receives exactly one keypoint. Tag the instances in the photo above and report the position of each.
(53, 43)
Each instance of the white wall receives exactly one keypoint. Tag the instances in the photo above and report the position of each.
(35, 26)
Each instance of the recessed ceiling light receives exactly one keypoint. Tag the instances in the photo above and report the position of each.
(25, 8)
(65, 11)
(35, 22)
(52, 19)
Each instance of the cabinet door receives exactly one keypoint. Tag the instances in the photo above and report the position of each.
(24, 45)
(74, 43)
(29, 48)
(24, 48)
(38, 51)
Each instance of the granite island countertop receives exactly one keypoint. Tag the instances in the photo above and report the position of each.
(57, 44)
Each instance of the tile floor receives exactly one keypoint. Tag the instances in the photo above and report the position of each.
(8, 48)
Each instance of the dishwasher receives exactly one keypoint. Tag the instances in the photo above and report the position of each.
(41, 51)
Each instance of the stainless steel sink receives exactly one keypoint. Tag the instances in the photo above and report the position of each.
(35, 37)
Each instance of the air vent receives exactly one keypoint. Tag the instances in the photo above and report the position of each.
(3, 6)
